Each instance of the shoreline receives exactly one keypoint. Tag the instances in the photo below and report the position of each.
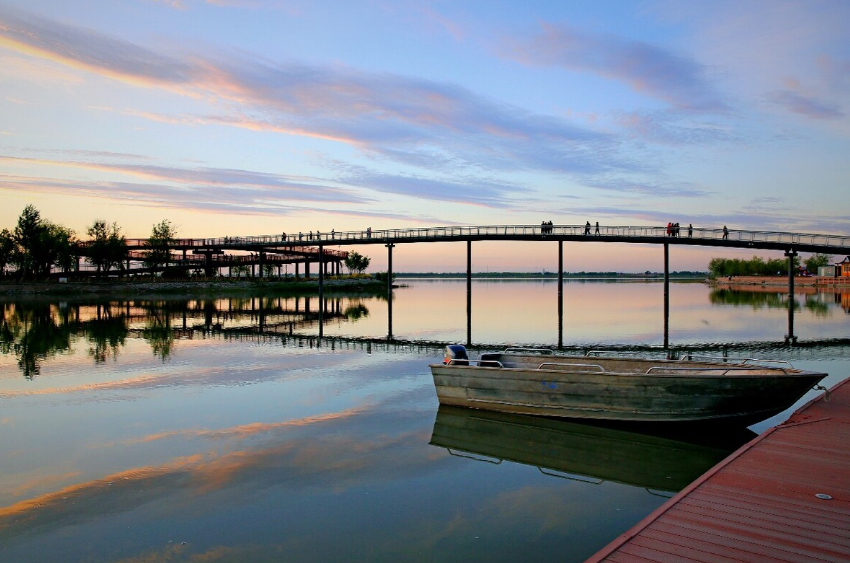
(739, 281)
(184, 288)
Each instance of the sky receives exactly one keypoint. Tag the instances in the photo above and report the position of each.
(252, 117)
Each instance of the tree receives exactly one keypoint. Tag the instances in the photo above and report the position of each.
(815, 261)
(40, 244)
(756, 266)
(355, 262)
(159, 244)
(240, 270)
(108, 247)
(7, 245)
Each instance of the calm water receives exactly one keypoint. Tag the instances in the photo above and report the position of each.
(227, 430)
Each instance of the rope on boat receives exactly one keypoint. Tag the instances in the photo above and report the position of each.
(826, 394)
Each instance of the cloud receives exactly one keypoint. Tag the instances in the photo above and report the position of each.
(646, 68)
(471, 190)
(249, 192)
(213, 189)
(805, 105)
(652, 188)
(413, 121)
(668, 129)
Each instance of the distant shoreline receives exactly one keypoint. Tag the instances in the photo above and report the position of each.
(554, 275)
(229, 286)
(741, 281)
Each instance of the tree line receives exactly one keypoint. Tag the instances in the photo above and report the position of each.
(757, 266)
(35, 245)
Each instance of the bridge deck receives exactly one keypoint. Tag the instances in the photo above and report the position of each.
(808, 242)
(763, 503)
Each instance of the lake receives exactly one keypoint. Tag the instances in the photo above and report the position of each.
(272, 429)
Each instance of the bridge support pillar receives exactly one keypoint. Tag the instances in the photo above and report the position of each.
(306, 269)
(262, 260)
(560, 294)
(791, 254)
(469, 293)
(390, 247)
(666, 295)
(321, 282)
(296, 271)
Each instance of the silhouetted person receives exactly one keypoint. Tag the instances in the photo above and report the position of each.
(690, 230)
(725, 233)
(587, 228)
(597, 227)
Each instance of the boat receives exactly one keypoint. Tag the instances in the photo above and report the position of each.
(660, 460)
(619, 388)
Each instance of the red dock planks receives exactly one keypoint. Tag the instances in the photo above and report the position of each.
(760, 503)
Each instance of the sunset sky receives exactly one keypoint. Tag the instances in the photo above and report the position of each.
(251, 117)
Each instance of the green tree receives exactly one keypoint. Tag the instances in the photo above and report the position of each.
(356, 262)
(756, 266)
(163, 237)
(815, 261)
(107, 247)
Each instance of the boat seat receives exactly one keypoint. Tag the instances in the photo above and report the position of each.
(490, 361)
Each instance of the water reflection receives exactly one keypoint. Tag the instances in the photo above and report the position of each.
(218, 430)
(36, 331)
(818, 303)
(652, 460)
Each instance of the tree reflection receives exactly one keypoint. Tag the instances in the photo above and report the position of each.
(34, 331)
(106, 333)
(355, 312)
(31, 333)
(158, 331)
(756, 300)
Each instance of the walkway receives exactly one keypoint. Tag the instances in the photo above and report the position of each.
(783, 497)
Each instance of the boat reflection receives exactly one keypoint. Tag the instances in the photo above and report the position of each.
(662, 461)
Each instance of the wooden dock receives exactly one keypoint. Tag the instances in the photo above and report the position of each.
(784, 497)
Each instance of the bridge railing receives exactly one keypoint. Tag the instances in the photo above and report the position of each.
(368, 235)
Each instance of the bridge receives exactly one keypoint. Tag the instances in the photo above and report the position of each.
(311, 247)
(731, 238)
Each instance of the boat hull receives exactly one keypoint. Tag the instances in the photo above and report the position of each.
(638, 396)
